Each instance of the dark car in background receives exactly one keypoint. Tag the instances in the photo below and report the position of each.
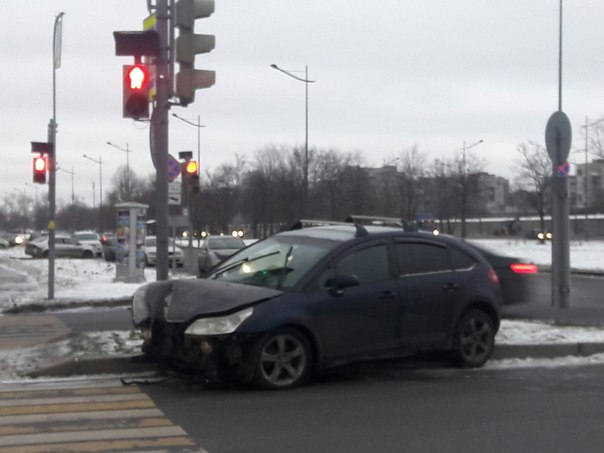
(215, 249)
(311, 298)
(516, 275)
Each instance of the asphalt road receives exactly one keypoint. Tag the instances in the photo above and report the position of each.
(395, 408)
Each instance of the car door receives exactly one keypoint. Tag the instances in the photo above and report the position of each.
(359, 320)
(429, 292)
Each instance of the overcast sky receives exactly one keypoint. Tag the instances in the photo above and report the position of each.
(389, 75)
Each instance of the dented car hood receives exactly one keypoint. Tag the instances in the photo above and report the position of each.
(184, 300)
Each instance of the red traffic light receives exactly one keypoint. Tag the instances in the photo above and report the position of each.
(136, 91)
(39, 164)
(191, 167)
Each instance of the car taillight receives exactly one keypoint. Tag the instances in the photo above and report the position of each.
(492, 276)
(524, 268)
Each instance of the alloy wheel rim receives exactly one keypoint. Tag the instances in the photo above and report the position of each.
(476, 339)
(283, 360)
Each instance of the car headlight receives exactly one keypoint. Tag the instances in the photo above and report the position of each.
(219, 325)
(140, 309)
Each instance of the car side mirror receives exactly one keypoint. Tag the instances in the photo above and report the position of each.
(338, 283)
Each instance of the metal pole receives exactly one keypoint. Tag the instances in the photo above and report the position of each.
(306, 147)
(52, 159)
(159, 143)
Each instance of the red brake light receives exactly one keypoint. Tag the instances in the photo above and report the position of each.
(524, 268)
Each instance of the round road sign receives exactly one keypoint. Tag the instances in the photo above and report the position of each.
(558, 137)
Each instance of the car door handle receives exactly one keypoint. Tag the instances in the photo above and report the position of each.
(450, 287)
(388, 295)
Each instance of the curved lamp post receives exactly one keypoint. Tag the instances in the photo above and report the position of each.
(306, 81)
(100, 162)
(127, 151)
(464, 187)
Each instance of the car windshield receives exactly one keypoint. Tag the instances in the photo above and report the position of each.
(225, 243)
(276, 262)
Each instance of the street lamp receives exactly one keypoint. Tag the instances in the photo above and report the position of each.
(198, 125)
(464, 186)
(72, 173)
(306, 81)
(100, 162)
(127, 151)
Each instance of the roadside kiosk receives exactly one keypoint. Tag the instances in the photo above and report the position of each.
(130, 235)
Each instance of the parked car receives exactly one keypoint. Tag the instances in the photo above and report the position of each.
(175, 253)
(65, 247)
(109, 244)
(215, 249)
(516, 275)
(89, 238)
(4, 244)
(307, 299)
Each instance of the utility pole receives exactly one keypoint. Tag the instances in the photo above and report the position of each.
(159, 137)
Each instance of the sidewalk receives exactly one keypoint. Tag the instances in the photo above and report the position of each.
(37, 345)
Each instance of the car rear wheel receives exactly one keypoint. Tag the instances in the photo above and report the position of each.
(283, 360)
(474, 338)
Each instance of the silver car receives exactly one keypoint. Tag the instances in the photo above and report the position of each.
(65, 247)
(215, 249)
(175, 253)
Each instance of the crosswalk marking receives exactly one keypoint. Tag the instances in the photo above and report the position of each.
(85, 417)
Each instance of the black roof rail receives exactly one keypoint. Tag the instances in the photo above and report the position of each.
(376, 220)
(305, 223)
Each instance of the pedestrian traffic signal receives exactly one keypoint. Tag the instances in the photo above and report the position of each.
(136, 91)
(39, 166)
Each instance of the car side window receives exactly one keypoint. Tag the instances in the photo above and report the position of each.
(460, 259)
(369, 265)
(421, 258)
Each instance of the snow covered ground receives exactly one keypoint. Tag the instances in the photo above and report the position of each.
(24, 281)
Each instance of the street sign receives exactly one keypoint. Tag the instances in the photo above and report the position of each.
(173, 168)
(174, 193)
(558, 137)
(563, 170)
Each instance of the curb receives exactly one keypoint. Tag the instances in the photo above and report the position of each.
(126, 364)
(546, 351)
(136, 364)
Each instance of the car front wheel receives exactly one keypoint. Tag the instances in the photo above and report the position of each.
(474, 339)
(283, 360)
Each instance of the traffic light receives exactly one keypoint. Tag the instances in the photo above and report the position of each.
(190, 179)
(39, 167)
(188, 44)
(136, 91)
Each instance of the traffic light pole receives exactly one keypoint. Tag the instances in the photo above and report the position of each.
(159, 138)
(52, 157)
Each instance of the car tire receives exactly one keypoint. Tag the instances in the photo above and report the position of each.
(87, 254)
(474, 339)
(283, 360)
(45, 254)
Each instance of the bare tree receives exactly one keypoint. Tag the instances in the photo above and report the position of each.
(412, 167)
(535, 170)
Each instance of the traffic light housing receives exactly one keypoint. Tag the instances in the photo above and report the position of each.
(190, 179)
(188, 44)
(39, 169)
(136, 91)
